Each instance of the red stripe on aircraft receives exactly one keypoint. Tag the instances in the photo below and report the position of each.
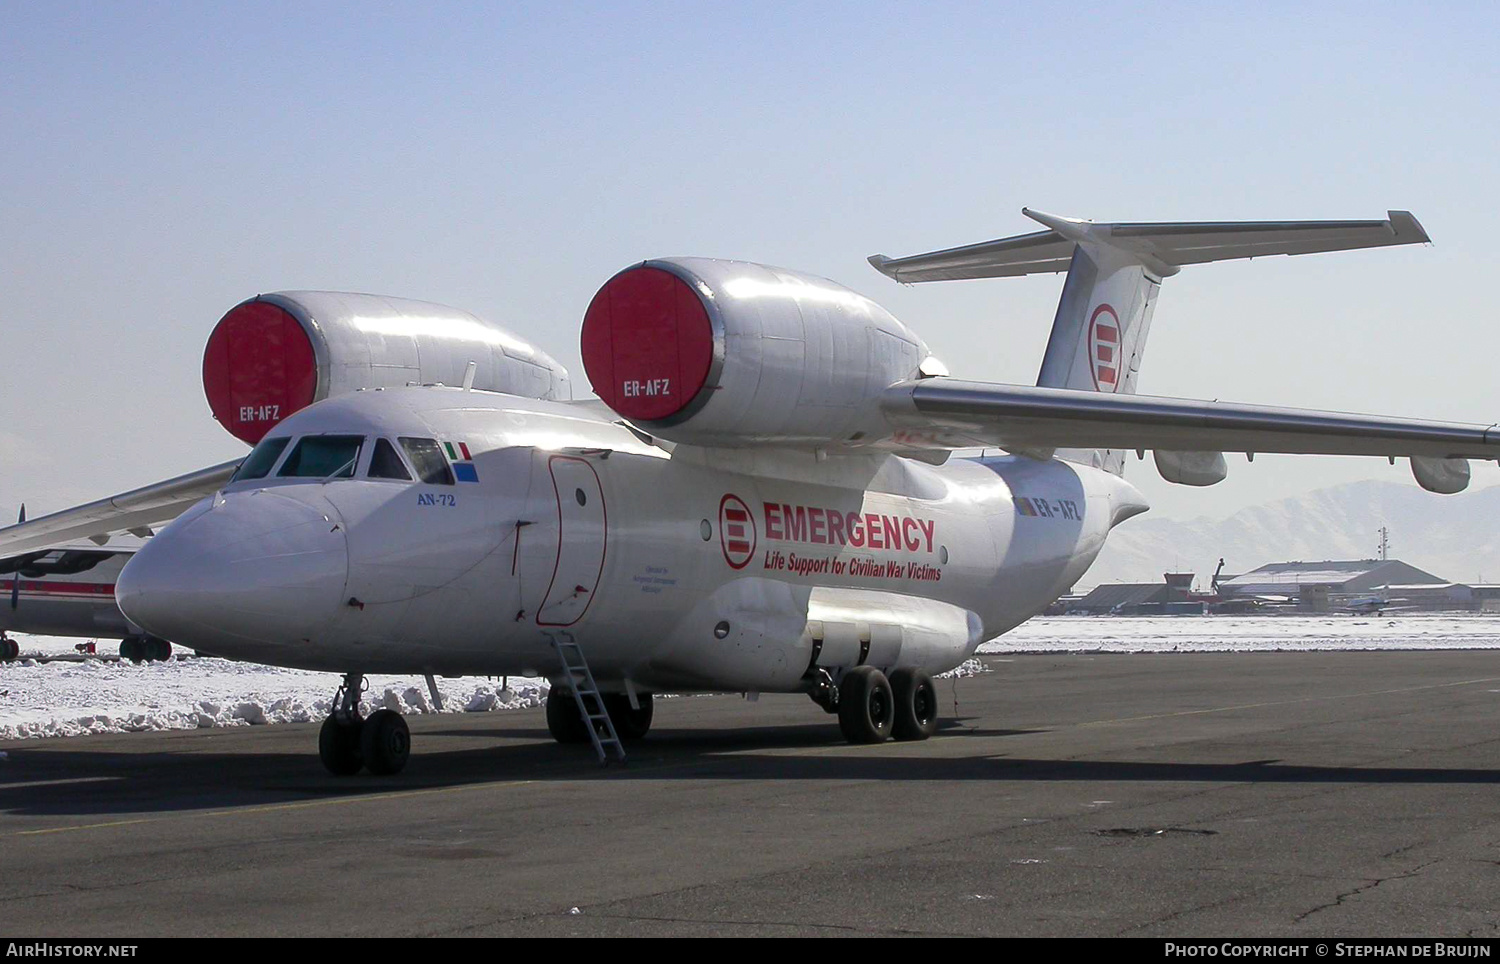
(60, 588)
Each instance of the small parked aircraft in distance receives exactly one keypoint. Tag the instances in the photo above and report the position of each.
(761, 498)
(68, 589)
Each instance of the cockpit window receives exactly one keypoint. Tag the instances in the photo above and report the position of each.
(257, 464)
(323, 457)
(386, 464)
(428, 460)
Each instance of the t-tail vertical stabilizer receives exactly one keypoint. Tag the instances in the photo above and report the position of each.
(1115, 272)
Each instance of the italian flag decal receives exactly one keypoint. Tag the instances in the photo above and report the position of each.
(463, 462)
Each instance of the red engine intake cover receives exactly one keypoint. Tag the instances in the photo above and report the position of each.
(647, 343)
(258, 368)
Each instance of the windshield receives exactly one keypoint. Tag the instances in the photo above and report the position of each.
(428, 460)
(386, 464)
(257, 464)
(323, 457)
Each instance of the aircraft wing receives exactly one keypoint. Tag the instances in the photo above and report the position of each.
(136, 509)
(952, 413)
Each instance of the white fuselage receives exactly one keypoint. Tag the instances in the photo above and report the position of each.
(694, 569)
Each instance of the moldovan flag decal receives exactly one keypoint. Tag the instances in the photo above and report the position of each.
(463, 462)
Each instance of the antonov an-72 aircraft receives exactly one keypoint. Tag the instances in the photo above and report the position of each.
(760, 500)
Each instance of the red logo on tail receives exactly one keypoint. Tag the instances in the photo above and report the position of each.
(736, 531)
(1105, 344)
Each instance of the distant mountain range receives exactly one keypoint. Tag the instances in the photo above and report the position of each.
(1454, 537)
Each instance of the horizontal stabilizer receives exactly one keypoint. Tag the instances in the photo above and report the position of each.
(1162, 246)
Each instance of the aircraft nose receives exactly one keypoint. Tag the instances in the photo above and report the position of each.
(250, 568)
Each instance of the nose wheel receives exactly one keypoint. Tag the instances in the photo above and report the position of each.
(348, 743)
(338, 746)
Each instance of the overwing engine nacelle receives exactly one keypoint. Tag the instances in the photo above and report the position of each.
(713, 352)
(277, 353)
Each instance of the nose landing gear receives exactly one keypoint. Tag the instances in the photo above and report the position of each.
(347, 743)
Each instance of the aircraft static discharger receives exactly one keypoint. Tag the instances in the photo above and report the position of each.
(762, 499)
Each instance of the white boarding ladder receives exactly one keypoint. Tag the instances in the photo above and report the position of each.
(581, 681)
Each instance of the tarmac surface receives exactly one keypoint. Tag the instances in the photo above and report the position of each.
(1297, 794)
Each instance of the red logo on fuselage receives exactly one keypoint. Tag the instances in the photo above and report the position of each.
(1105, 344)
(736, 531)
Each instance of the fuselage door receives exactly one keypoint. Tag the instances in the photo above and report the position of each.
(582, 528)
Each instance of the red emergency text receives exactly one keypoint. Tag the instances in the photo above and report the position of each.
(820, 526)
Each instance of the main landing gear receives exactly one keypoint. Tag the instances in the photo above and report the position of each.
(9, 649)
(380, 743)
(145, 649)
(873, 707)
(567, 726)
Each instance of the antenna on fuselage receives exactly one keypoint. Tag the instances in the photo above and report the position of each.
(469, 376)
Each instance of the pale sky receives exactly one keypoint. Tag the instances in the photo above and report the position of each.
(161, 162)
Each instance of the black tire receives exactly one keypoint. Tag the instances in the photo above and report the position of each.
(158, 649)
(338, 747)
(629, 724)
(132, 648)
(563, 720)
(384, 742)
(866, 705)
(9, 649)
(916, 705)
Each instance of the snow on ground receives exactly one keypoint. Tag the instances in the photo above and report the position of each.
(74, 698)
(1173, 634)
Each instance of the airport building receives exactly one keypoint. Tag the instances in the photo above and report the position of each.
(1171, 597)
(1362, 584)
(1306, 580)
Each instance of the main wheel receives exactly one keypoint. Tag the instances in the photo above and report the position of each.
(916, 705)
(9, 649)
(384, 742)
(563, 720)
(133, 649)
(158, 649)
(338, 747)
(629, 723)
(866, 705)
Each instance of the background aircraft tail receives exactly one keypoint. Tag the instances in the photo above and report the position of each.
(1115, 273)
